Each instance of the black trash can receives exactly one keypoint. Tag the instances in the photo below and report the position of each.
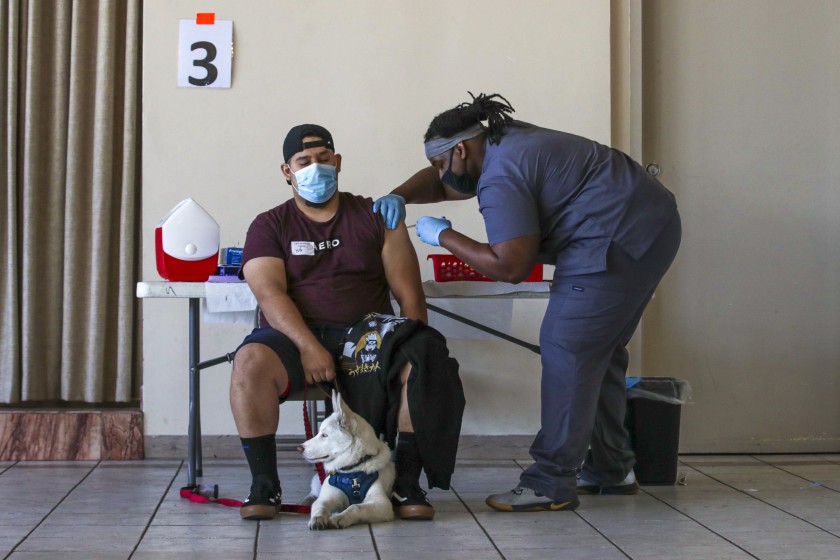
(654, 405)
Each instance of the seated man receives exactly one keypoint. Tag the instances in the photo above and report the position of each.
(317, 264)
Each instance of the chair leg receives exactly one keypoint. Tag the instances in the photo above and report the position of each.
(312, 409)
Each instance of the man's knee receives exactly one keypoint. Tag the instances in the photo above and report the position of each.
(257, 364)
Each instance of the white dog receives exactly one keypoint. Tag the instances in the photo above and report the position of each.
(361, 474)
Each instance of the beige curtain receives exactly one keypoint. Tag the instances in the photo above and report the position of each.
(69, 161)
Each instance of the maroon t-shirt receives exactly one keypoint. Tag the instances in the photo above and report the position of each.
(334, 271)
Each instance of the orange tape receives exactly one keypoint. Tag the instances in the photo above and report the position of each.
(205, 18)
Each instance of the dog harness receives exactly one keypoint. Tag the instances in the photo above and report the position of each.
(355, 485)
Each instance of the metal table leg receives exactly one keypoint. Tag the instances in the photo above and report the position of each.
(194, 431)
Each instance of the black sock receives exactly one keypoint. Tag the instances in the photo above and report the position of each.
(408, 460)
(261, 453)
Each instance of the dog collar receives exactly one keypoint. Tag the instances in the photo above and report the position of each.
(355, 485)
(354, 465)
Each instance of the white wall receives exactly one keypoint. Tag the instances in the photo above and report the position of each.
(741, 108)
(375, 73)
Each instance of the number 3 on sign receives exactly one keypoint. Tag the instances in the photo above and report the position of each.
(204, 54)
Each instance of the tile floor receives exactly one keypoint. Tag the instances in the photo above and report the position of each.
(743, 506)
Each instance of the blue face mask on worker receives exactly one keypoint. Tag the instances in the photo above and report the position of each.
(461, 183)
(316, 182)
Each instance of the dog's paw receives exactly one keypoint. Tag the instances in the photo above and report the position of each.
(343, 520)
(320, 522)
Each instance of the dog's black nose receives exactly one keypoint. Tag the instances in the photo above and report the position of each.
(300, 449)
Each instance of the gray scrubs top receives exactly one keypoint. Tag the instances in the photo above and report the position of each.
(577, 194)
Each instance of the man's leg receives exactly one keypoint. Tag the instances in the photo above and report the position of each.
(610, 459)
(257, 382)
(408, 497)
(404, 419)
(569, 395)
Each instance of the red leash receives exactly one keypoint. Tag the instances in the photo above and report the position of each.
(206, 494)
(198, 494)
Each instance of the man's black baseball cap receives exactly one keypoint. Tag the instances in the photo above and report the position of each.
(294, 139)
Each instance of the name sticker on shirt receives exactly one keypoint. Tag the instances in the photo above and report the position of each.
(311, 248)
(303, 248)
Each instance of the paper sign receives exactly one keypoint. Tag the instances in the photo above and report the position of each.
(205, 52)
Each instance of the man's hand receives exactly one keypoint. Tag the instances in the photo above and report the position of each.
(318, 364)
(392, 208)
(428, 229)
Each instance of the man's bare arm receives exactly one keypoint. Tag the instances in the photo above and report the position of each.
(403, 273)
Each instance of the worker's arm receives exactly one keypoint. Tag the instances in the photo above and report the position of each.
(403, 273)
(510, 261)
(425, 187)
(266, 276)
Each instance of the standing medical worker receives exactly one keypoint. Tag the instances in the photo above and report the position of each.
(611, 230)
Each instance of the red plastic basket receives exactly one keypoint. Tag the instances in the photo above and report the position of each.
(449, 268)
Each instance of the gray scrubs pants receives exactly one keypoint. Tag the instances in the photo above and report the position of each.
(588, 323)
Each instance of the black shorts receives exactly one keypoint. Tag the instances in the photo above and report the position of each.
(330, 337)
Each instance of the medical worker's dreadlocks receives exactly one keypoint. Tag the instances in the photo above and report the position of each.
(483, 108)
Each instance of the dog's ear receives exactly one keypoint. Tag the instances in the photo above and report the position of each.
(345, 410)
(345, 415)
(338, 405)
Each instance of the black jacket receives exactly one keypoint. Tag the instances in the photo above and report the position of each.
(435, 396)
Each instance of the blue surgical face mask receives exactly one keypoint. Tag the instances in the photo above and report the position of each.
(316, 182)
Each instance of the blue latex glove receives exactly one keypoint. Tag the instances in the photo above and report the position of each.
(392, 208)
(428, 229)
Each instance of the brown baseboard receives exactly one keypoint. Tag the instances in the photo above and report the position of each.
(71, 435)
